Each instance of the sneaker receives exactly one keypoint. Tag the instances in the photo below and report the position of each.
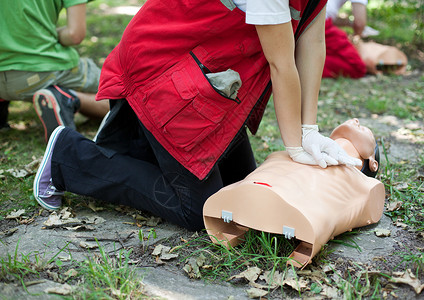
(44, 191)
(55, 106)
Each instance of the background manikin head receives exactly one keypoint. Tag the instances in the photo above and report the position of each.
(358, 141)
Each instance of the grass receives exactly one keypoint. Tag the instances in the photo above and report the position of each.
(105, 277)
(98, 277)
(264, 250)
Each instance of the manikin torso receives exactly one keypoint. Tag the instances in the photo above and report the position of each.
(306, 202)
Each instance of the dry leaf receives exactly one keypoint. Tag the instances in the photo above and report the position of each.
(329, 292)
(81, 228)
(17, 173)
(410, 279)
(192, 269)
(153, 221)
(163, 252)
(401, 186)
(93, 207)
(65, 257)
(94, 220)
(400, 224)
(297, 284)
(251, 274)
(381, 232)
(392, 206)
(32, 167)
(256, 293)
(272, 279)
(88, 245)
(71, 273)
(64, 290)
(15, 214)
(158, 250)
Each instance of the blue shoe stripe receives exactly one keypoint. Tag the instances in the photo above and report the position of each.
(40, 171)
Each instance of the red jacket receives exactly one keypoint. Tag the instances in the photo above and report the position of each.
(160, 64)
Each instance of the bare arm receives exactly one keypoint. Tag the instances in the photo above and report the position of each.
(74, 32)
(359, 12)
(310, 56)
(277, 42)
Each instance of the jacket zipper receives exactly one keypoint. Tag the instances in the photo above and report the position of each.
(203, 68)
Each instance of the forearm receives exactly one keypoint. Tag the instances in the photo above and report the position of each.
(286, 95)
(310, 56)
(278, 44)
(74, 31)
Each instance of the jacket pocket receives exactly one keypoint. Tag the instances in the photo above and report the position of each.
(184, 105)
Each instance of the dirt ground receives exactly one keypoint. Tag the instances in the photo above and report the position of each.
(116, 229)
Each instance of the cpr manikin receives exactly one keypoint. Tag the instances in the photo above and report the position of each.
(306, 202)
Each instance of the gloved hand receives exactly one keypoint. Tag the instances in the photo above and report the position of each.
(324, 150)
(298, 154)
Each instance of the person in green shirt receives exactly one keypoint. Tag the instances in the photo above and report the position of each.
(39, 64)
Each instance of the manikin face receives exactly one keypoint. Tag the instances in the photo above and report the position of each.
(360, 136)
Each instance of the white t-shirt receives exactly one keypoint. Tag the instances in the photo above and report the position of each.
(333, 7)
(265, 12)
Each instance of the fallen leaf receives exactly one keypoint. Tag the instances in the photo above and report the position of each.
(381, 232)
(401, 186)
(55, 219)
(297, 284)
(93, 220)
(256, 293)
(65, 213)
(17, 173)
(163, 252)
(409, 278)
(400, 224)
(153, 221)
(81, 228)
(71, 273)
(32, 167)
(168, 256)
(192, 269)
(88, 245)
(65, 257)
(8, 232)
(15, 214)
(158, 250)
(330, 292)
(251, 274)
(392, 206)
(64, 290)
(93, 207)
(273, 279)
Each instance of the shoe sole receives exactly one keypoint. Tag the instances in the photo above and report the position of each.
(40, 170)
(48, 111)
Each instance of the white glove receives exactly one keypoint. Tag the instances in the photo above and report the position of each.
(325, 150)
(298, 154)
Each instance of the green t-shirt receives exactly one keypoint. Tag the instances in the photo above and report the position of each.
(28, 37)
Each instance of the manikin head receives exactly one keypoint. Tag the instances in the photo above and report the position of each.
(358, 141)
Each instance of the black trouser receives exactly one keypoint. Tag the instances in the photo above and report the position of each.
(128, 166)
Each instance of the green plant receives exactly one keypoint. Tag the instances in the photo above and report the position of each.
(410, 196)
(104, 277)
(143, 238)
(16, 267)
(415, 260)
(360, 285)
(264, 250)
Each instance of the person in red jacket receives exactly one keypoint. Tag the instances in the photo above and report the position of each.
(184, 82)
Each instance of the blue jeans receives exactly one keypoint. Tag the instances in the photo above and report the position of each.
(128, 166)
